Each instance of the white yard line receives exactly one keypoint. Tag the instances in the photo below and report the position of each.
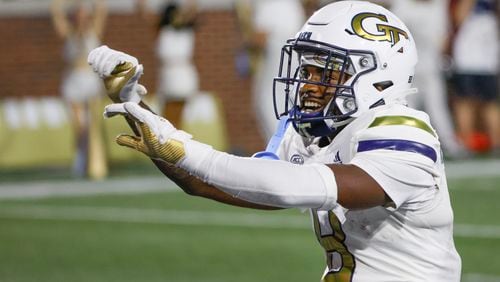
(75, 188)
(155, 216)
(477, 231)
(195, 218)
(479, 277)
(472, 168)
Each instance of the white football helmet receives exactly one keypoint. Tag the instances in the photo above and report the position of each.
(368, 44)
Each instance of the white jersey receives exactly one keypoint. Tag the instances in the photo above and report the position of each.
(412, 240)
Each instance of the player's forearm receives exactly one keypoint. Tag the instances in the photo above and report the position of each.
(261, 181)
(192, 185)
(195, 187)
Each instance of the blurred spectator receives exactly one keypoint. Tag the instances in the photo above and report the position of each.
(429, 75)
(474, 46)
(266, 24)
(178, 77)
(80, 24)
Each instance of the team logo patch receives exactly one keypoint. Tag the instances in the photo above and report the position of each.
(297, 159)
(386, 32)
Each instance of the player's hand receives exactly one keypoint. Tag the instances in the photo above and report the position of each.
(159, 138)
(120, 73)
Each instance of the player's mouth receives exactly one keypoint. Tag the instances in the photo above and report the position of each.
(309, 106)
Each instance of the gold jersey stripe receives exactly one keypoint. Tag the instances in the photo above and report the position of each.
(402, 120)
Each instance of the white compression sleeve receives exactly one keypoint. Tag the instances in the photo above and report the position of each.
(267, 182)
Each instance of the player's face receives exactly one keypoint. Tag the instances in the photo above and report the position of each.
(313, 97)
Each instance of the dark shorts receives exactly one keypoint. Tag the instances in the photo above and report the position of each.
(482, 87)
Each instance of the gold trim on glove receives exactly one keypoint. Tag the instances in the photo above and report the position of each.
(120, 75)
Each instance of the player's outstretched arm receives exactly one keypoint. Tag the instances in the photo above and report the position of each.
(121, 73)
(264, 182)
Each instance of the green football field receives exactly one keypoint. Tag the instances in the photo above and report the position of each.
(144, 229)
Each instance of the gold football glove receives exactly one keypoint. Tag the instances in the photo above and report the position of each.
(159, 138)
(120, 73)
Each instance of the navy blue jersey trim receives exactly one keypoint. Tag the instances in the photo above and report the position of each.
(398, 145)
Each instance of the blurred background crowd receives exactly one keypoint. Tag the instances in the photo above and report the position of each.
(209, 67)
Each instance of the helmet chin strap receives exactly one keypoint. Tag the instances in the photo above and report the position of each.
(316, 128)
(311, 128)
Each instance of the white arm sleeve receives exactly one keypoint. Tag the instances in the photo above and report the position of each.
(267, 182)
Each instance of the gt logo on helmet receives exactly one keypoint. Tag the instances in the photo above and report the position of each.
(388, 33)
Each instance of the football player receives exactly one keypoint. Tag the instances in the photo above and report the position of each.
(368, 168)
